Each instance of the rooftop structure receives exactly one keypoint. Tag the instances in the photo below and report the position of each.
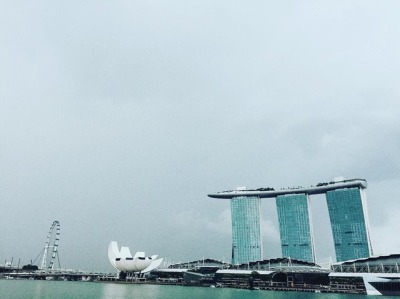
(377, 275)
(278, 264)
(208, 262)
(374, 264)
(320, 188)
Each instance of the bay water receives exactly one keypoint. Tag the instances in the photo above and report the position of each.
(39, 289)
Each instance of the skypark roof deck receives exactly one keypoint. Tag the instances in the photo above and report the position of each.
(320, 188)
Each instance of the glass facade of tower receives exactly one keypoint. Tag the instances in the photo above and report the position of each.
(348, 223)
(246, 234)
(294, 225)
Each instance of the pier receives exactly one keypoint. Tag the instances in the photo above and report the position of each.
(70, 275)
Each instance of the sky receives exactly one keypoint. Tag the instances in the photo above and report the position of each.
(117, 118)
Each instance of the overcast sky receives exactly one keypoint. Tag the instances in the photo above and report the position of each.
(117, 118)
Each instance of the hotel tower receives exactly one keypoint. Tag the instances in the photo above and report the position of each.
(346, 201)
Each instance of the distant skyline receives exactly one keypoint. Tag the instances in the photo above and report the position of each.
(118, 118)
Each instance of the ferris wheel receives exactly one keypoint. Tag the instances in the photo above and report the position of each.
(51, 246)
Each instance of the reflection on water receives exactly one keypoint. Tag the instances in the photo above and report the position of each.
(146, 291)
(38, 290)
(118, 291)
(111, 291)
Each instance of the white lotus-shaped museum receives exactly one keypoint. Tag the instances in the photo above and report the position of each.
(123, 261)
